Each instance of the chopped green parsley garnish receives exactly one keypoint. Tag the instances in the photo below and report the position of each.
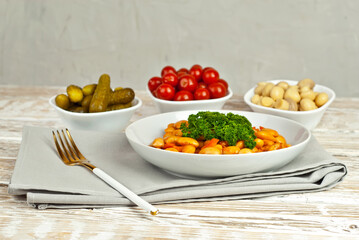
(225, 127)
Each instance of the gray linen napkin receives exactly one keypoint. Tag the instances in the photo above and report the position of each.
(49, 183)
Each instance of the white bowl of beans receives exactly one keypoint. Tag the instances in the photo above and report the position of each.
(311, 101)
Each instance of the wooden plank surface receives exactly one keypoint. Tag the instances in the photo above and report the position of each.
(329, 214)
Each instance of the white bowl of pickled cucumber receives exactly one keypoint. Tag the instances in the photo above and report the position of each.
(96, 106)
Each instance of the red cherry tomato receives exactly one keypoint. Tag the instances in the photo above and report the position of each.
(225, 84)
(217, 90)
(170, 78)
(196, 71)
(202, 85)
(187, 82)
(183, 95)
(180, 74)
(201, 94)
(165, 91)
(168, 69)
(210, 75)
(185, 70)
(153, 83)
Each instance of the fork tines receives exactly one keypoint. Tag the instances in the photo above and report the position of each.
(69, 152)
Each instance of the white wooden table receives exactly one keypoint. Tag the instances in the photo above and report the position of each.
(332, 214)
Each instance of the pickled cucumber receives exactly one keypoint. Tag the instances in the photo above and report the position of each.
(76, 108)
(95, 97)
(85, 103)
(62, 101)
(75, 93)
(89, 89)
(119, 106)
(101, 95)
(124, 95)
(118, 88)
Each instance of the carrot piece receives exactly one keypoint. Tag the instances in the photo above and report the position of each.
(213, 142)
(172, 145)
(169, 145)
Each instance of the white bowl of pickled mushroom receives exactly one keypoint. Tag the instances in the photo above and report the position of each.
(303, 101)
(217, 143)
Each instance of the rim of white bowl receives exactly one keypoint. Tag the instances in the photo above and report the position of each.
(228, 96)
(250, 94)
(132, 108)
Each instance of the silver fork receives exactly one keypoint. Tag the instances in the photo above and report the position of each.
(72, 156)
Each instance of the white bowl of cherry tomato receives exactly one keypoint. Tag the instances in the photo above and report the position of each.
(196, 88)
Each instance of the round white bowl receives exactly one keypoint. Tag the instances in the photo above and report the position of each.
(111, 121)
(141, 134)
(171, 106)
(309, 119)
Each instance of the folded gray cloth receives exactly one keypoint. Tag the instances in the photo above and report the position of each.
(49, 183)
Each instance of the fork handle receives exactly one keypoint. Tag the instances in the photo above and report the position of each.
(125, 191)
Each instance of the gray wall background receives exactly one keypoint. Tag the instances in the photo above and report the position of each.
(54, 42)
